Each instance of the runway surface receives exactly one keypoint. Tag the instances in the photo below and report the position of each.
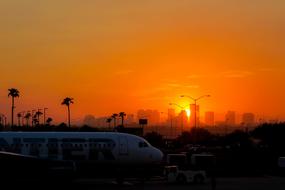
(253, 183)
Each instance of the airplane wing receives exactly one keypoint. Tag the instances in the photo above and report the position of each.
(9, 155)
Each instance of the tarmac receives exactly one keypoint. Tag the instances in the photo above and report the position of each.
(241, 183)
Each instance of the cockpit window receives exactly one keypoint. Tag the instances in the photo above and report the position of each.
(143, 144)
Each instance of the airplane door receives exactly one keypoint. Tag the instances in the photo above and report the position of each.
(123, 146)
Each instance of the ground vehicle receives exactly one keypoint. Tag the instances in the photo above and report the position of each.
(201, 161)
(175, 174)
(184, 168)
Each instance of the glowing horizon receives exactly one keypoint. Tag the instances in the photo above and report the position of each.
(113, 57)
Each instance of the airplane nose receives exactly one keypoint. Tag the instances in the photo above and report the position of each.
(158, 155)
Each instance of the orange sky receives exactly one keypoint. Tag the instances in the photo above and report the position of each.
(113, 56)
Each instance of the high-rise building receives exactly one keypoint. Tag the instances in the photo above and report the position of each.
(248, 119)
(170, 116)
(102, 122)
(230, 118)
(153, 116)
(130, 119)
(183, 119)
(210, 118)
(194, 109)
(171, 113)
(141, 114)
(89, 120)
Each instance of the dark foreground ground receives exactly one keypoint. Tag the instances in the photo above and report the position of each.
(253, 183)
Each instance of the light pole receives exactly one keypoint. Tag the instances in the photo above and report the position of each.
(38, 115)
(195, 103)
(5, 121)
(33, 115)
(160, 122)
(23, 118)
(45, 115)
(183, 108)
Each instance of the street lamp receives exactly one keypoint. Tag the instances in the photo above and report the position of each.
(195, 103)
(183, 108)
(33, 115)
(45, 115)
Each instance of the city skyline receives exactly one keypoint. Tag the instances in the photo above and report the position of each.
(157, 117)
(113, 57)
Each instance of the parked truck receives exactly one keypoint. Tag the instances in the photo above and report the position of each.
(182, 168)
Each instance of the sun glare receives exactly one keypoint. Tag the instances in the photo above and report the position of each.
(188, 112)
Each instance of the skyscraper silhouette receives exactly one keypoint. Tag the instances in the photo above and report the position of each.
(209, 118)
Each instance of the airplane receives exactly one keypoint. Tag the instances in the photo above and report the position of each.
(110, 152)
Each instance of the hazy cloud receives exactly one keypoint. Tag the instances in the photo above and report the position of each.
(174, 85)
(195, 76)
(237, 74)
(123, 72)
(267, 69)
(179, 85)
(192, 86)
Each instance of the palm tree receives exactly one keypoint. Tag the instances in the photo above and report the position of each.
(2, 119)
(27, 117)
(23, 117)
(37, 115)
(19, 115)
(67, 101)
(49, 120)
(114, 117)
(122, 115)
(13, 92)
(109, 122)
(35, 121)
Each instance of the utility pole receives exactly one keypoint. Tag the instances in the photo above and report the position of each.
(45, 116)
(195, 115)
(33, 111)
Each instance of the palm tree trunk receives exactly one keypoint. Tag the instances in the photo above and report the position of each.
(122, 121)
(114, 122)
(68, 115)
(12, 117)
(23, 120)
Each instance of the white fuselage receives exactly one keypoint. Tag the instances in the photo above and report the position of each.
(101, 147)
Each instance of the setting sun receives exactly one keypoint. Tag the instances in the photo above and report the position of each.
(188, 112)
